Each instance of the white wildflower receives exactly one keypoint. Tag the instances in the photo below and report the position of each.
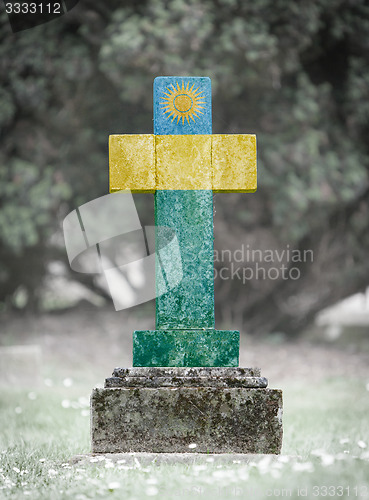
(264, 464)
(192, 446)
(275, 473)
(152, 491)
(303, 467)
(83, 401)
(114, 485)
(199, 467)
(67, 382)
(327, 460)
(318, 453)
(361, 444)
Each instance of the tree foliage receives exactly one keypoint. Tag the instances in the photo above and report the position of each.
(294, 73)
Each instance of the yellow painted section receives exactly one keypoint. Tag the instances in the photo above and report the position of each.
(145, 162)
(183, 162)
(234, 163)
(132, 163)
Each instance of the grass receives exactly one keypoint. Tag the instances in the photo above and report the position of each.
(325, 451)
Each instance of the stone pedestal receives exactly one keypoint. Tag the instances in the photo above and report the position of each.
(165, 410)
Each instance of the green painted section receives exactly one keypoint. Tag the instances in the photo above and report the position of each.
(186, 348)
(191, 304)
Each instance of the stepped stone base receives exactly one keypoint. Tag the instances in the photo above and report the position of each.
(165, 410)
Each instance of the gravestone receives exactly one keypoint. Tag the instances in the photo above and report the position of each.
(185, 391)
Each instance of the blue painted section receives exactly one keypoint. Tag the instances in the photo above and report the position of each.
(191, 115)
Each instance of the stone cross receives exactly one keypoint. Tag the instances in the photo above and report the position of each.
(183, 163)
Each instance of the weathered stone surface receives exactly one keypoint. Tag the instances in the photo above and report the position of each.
(217, 420)
(186, 377)
(175, 116)
(234, 163)
(254, 382)
(185, 347)
(195, 371)
(183, 162)
(132, 163)
(191, 303)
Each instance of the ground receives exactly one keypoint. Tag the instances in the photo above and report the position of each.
(326, 403)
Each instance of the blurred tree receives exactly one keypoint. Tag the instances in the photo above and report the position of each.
(296, 74)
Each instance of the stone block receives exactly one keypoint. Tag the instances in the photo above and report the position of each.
(192, 371)
(183, 162)
(182, 348)
(234, 163)
(182, 105)
(168, 419)
(132, 163)
(188, 377)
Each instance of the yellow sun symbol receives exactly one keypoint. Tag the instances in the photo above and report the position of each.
(183, 102)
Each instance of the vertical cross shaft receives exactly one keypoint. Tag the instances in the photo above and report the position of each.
(191, 304)
(189, 212)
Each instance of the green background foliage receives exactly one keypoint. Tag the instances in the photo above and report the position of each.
(294, 73)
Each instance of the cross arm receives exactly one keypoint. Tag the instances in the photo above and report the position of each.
(233, 161)
(132, 163)
(148, 162)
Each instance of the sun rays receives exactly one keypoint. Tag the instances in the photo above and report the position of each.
(183, 102)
